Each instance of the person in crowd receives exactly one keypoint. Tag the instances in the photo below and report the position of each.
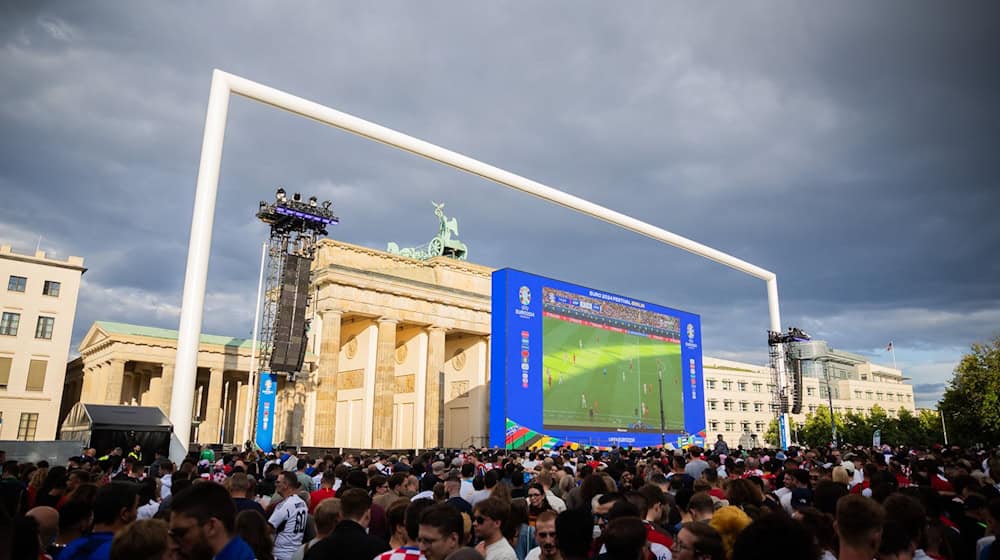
(349, 540)
(488, 520)
(289, 516)
(729, 521)
(203, 524)
(395, 483)
(625, 538)
(698, 541)
(453, 487)
(47, 519)
(859, 527)
(409, 548)
(253, 528)
(545, 537)
(440, 531)
(789, 537)
(75, 520)
(114, 509)
(326, 516)
(241, 489)
(574, 534)
(144, 539)
(537, 502)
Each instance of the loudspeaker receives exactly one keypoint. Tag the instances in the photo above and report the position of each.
(291, 324)
(797, 388)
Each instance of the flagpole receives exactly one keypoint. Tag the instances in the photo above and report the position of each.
(892, 349)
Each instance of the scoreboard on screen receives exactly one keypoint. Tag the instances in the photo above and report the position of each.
(574, 365)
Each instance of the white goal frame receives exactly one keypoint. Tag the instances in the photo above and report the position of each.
(195, 278)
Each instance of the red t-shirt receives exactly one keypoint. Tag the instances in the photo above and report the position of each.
(317, 496)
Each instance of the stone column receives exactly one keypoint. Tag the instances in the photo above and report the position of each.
(435, 367)
(385, 384)
(116, 378)
(155, 394)
(210, 431)
(325, 427)
(239, 426)
(89, 388)
(166, 386)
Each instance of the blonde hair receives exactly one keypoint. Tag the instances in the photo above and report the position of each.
(145, 539)
(840, 475)
(729, 521)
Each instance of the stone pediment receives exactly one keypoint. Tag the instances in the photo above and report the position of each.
(94, 338)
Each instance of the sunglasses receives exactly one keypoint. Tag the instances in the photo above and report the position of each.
(479, 519)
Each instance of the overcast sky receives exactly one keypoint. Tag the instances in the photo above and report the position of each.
(849, 147)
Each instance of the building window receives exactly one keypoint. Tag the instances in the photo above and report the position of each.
(742, 385)
(710, 383)
(770, 387)
(730, 426)
(713, 404)
(878, 396)
(857, 395)
(9, 323)
(760, 427)
(36, 375)
(714, 425)
(5, 372)
(51, 288)
(758, 387)
(745, 426)
(17, 283)
(727, 385)
(810, 391)
(758, 407)
(744, 406)
(868, 395)
(727, 405)
(44, 327)
(812, 408)
(27, 427)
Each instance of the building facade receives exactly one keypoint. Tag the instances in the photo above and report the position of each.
(398, 357)
(122, 364)
(37, 307)
(738, 395)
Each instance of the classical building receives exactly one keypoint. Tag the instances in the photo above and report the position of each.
(36, 323)
(121, 364)
(399, 358)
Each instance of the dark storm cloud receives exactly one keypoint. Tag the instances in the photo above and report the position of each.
(849, 148)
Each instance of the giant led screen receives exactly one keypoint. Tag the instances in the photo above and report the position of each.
(578, 366)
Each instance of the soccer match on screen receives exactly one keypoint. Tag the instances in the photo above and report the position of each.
(599, 375)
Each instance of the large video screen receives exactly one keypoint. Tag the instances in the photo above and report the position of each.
(574, 365)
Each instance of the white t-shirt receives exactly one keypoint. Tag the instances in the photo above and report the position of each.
(500, 550)
(289, 522)
(534, 554)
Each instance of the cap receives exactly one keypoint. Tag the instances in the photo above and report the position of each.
(801, 497)
(780, 456)
(425, 495)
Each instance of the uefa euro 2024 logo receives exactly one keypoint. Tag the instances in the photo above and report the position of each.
(690, 332)
(524, 295)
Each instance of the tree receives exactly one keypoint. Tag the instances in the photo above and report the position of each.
(815, 432)
(971, 403)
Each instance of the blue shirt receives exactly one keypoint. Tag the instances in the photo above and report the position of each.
(236, 549)
(95, 546)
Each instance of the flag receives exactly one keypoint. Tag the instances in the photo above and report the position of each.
(889, 347)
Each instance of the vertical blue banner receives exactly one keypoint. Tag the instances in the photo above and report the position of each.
(265, 410)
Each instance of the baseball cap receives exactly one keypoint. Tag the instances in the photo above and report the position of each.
(801, 497)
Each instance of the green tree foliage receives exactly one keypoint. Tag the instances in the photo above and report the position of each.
(971, 403)
(857, 429)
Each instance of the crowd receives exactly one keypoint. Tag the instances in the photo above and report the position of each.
(627, 504)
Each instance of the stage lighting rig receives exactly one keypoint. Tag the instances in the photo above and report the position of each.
(287, 216)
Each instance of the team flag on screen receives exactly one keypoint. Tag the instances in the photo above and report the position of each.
(889, 347)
